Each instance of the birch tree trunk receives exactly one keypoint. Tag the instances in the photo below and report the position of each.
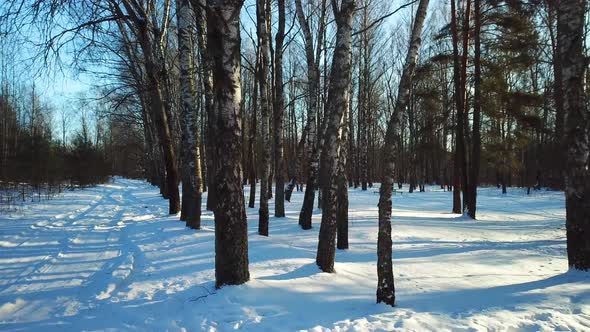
(252, 141)
(363, 102)
(570, 26)
(231, 236)
(558, 95)
(342, 198)
(337, 104)
(476, 149)
(558, 81)
(462, 122)
(157, 109)
(279, 111)
(191, 159)
(350, 155)
(207, 81)
(385, 282)
(310, 134)
(262, 30)
(458, 169)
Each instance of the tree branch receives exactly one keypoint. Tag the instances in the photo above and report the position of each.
(379, 20)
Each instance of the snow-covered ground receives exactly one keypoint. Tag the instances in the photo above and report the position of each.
(109, 258)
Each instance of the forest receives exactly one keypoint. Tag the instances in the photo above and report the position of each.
(312, 113)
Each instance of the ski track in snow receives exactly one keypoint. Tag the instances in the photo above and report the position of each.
(109, 258)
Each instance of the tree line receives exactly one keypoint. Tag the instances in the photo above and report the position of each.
(41, 146)
(322, 96)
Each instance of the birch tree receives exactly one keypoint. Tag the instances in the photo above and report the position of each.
(337, 105)
(310, 134)
(570, 27)
(231, 231)
(141, 20)
(262, 30)
(191, 159)
(385, 282)
(279, 112)
(342, 196)
(476, 140)
(206, 66)
(459, 67)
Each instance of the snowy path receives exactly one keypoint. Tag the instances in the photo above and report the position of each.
(110, 258)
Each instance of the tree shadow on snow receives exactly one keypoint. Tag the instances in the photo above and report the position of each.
(507, 297)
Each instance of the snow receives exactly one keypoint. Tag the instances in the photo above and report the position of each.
(109, 258)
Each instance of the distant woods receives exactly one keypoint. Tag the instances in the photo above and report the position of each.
(40, 145)
(319, 95)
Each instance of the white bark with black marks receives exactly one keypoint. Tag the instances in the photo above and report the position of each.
(262, 29)
(191, 159)
(337, 105)
(231, 231)
(206, 71)
(278, 114)
(310, 136)
(385, 280)
(570, 26)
